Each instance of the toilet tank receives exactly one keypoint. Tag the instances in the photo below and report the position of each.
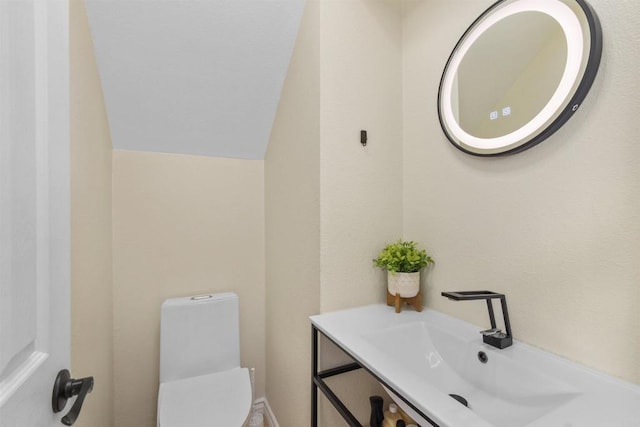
(199, 335)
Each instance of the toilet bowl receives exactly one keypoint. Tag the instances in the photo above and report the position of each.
(201, 381)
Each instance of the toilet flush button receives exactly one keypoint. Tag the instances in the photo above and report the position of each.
(199, 297)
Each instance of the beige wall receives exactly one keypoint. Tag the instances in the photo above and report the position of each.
(555, 227)
(182, 225)
(91, 278)
(292, 207)
(360, 187)
(328, 197)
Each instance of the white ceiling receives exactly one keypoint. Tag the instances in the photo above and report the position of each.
(193, 76)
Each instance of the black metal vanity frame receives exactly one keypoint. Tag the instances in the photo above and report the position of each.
(317, 382)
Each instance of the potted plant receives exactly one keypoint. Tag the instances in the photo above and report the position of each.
(403, 262)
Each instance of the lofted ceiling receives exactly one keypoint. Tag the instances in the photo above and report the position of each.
(193, 76)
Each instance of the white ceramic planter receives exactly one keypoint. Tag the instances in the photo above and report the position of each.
(406, 284)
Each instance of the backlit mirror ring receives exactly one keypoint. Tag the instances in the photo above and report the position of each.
(583, 36)
(573, 34)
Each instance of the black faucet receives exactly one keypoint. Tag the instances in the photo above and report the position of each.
(494, 336)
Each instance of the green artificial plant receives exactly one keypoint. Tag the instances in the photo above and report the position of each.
(403, 257)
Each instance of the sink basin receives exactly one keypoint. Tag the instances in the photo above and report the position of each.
(424, 358)
(499, 390)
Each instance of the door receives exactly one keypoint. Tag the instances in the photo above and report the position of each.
(34, 208)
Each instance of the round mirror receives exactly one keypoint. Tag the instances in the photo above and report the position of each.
(518, 73)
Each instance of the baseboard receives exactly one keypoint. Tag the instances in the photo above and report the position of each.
(262, 405)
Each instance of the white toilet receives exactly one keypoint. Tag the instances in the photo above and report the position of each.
(201, 381)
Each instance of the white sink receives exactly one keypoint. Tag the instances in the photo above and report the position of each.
(505, 393)
(425, 357)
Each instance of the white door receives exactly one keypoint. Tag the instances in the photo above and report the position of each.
(34, 208)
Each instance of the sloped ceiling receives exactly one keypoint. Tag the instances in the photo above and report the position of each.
(193, 76)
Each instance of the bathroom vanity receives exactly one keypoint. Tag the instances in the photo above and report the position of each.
(424, 358)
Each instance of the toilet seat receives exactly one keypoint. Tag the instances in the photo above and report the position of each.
(219, 399)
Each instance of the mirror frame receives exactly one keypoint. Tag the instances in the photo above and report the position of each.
(570, 104)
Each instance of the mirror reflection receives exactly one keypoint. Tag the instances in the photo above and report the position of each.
(510, 74)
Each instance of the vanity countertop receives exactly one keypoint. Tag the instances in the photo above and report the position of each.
(425, 356)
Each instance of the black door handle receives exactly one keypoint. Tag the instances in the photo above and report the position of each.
(64, 389)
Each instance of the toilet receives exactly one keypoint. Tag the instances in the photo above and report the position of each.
(201, 381)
